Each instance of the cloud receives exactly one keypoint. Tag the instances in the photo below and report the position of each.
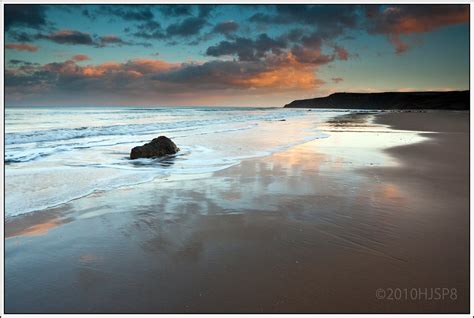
(180, 10)
(62, 73)
(311, 56)
(150, 30)
(187, 27)
(337, 80)
(80, 58)
(213, 74)
(396, 21)
(20, 36)
(248, 49)
(21, 62)
(329, 20)
(285, 72)
(21, 47)
(226, 27)
(205, 10)
(341, 53)
(68, 37)
(146, 66)
(156, 78)
(111, 39)
(25, 15)
(305, 49)
(400, 46)
(282, 72)
(176, 10)
(73, 37)
(125, 12)
(88, 13)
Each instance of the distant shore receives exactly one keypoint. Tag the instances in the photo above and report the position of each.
(452, 100)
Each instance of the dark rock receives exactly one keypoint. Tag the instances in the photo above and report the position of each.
(282, 120)
(158, 147)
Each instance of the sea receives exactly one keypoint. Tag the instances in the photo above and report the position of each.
(57, 154)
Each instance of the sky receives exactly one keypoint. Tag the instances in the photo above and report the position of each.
(228, 55)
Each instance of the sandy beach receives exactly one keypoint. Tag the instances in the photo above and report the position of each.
(383, 203)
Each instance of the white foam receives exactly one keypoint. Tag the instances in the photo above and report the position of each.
(53, 166)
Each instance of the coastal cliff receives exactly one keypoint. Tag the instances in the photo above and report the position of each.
(453, 100)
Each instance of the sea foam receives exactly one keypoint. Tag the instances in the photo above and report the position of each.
(49, 164)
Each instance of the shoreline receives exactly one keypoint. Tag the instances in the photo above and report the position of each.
(316, 228)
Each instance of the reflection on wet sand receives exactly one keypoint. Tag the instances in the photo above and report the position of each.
(317, 228)
(35, 224)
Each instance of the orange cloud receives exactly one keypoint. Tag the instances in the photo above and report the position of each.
(80, 57)
(287, 73)
(407, 24)
(21, 47)
(148, 65)
(398, 20)
(134, 68)
(101, 69)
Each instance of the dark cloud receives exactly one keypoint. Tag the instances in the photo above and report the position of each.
(150, 30)
(395, 21)
(329, 20)
(314, 55)
(313, 40)
(226, 27)
(25, 15)
(242, 47)
(109, 40)
(21, 36)
(21, 62)
(314, 26)
(153, 30)
(88, 13)
(126, 12)
(15, 61)
(247, 49)
(187, 27)
(112, 39)
(311, 56)
(176, 10)
(213, 75)
(205, 10)
(337, 80)
(73, 37)
(68, 37)
(19, 80)
(294, 35)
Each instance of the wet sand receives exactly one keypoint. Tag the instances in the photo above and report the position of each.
(318, 228)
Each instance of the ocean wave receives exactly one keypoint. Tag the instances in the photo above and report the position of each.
(22, 155)
(47, 168)
(60, 134)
